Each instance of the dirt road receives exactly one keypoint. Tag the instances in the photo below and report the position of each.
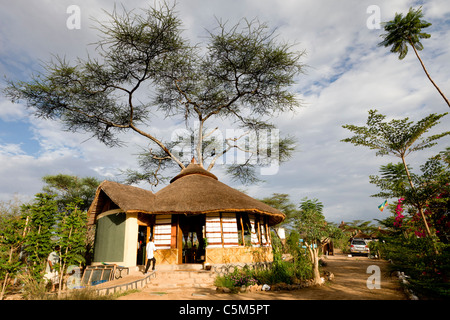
(350, 283)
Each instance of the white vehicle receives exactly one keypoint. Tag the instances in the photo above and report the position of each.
(359, 246)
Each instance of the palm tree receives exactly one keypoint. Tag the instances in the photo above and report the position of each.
(408, 30)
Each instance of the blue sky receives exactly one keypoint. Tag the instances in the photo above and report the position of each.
(347, 75)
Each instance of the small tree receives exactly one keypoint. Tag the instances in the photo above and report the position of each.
(398, 138)
(11, 241)
(72, 238)
(314, 230)
(40, 236)
(431, 191)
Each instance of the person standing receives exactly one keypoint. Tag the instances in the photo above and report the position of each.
(51, 273)
(150, 249)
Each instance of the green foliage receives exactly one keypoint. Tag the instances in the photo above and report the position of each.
(282, 202)
(72, 233)
(405, 30)
(300, 267)
(400, 138)
(311, 223)
(11, 240)
(280, 271)
(243, 73)
(427, 272)
(40, 236)
(28, 235)
(396, 137)
(69, 189)
(241, 278)
(431, 190)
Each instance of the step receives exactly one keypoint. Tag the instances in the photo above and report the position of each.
(184, 266)
(182, 279)
(185, 274)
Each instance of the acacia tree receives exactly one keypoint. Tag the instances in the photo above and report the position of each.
(145, 66)
(398, 138)
(407, 30)
(282, 202)
(70, 189)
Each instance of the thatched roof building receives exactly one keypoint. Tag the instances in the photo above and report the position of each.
(195, 206)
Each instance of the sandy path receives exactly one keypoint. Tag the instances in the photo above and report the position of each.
(350, 283)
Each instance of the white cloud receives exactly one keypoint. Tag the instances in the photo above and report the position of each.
(11, 112)
(11, 150)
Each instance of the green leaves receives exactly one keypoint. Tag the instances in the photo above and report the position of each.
(396, 137)
(243, 74)
(405, 30)
(70, 189)
(34, 233)
(311, 221)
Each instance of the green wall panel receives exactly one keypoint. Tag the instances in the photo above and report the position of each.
(110, 238)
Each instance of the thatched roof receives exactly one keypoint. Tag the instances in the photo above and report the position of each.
(127, 198)
(193, 191)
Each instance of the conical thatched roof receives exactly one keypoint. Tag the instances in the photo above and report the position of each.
(196, 190)
(193, 191)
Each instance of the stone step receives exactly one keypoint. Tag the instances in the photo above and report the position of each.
(185, 274)
(184, 266)
(182, 279)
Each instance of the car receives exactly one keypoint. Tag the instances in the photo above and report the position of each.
(359, 246)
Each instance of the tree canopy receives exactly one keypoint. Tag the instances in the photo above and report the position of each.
(71, 189)
(407, 30)
(398, 137)
(143, 66)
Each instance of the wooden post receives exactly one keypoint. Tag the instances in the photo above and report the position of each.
(221, 228)
(258, 227)
(179, 242)
(268, 235)
(173, 232)
(242, 230)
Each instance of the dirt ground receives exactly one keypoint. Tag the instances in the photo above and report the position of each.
(350, 283)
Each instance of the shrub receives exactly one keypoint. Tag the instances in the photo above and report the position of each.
(280, 271)
(428, 272)
(236, 279)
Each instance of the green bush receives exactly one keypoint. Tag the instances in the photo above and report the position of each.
(280, 271)
(428, 273)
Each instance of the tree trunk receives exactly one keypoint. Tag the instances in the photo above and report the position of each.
(200, 142)
(314, 253)
(418, 204)
(5, 282)
(420, 207)
(61, 270)
(428, 75)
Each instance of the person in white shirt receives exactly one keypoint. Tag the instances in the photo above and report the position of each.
(150, 249)
(51, 273)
